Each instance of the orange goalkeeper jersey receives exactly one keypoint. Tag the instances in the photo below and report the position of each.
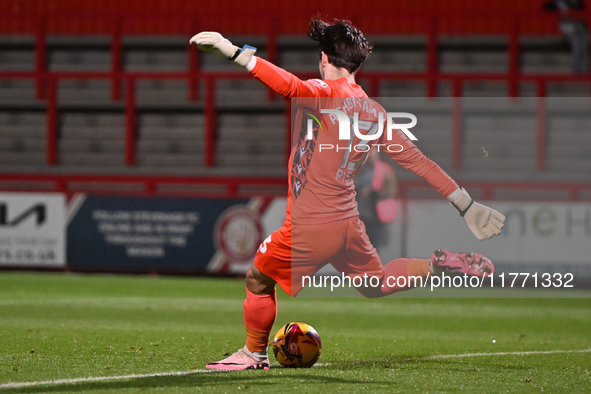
(322, 166)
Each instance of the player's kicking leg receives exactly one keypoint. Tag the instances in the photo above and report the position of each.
(401, 274)
(472, 264)
(260, 311)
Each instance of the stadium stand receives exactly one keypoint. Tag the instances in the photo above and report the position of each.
(121, 97)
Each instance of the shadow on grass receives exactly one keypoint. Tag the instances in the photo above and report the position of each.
(229, 381)
(407, 362)
(278, 377)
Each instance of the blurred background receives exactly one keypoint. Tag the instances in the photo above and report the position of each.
(123, 149)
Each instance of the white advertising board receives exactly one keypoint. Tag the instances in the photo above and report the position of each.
(32, 229)
(549, 234)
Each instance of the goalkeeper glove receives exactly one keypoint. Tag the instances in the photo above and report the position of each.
(213, 42)
(483, 221)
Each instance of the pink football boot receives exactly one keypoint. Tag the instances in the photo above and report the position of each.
(239, 361)
(462, 263)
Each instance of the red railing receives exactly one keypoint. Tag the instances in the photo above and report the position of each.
(202, 186)
(236, 187)
(47, 82)
(50, 80)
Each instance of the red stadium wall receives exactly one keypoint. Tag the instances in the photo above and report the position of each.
(261, 16)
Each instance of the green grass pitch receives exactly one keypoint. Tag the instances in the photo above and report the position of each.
(63, 332)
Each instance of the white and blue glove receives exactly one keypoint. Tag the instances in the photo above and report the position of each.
(213, 42)
(483, 221)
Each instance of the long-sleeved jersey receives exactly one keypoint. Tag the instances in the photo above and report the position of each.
(322, 163)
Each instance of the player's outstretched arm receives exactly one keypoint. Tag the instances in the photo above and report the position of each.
(282, 82)
(483, 221)
(213, 42)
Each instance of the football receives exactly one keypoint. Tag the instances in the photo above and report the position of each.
(297, 345)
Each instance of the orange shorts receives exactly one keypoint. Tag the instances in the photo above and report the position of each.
(295, 251)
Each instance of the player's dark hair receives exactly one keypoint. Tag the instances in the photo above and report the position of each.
(343, 43)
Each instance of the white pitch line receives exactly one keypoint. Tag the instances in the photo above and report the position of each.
(100, 379)
(440, 356)
(196, 371)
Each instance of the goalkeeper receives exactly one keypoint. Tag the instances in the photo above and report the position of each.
(322, 223)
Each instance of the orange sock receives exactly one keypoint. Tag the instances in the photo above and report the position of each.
(419, 267)
(397, 272)
(260, 312)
